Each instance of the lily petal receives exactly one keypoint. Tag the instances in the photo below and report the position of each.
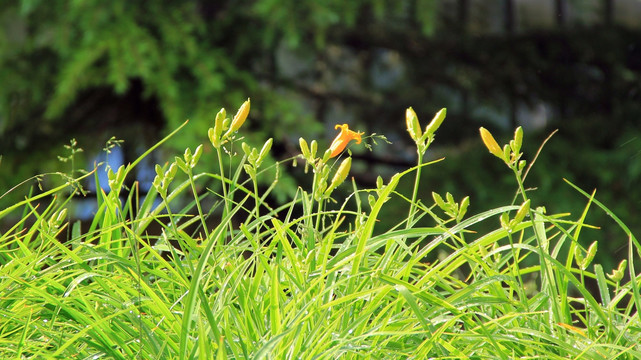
(343, 138)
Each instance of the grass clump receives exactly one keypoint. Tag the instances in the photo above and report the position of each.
(226, 275)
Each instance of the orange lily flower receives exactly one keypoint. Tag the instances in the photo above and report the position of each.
(344, 137)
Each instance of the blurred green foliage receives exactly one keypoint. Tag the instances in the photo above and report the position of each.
(67, 66)
(137, 70)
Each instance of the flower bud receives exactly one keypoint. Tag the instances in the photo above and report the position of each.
(506, 152)
(520, 214)
(239, 118)
(438, 200)
(617, 274)
(518, 139)
(463, 208)
(313, 148)
(215, 133)
(436, 122)
(591, 252)
(411, 122)
(505, 221)
(340, 175)
(197, 153)
(491, 144)
(264, 151)
(304, 148)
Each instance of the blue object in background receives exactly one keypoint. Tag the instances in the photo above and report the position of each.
(86, 207)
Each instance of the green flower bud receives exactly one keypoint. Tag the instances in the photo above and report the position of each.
(304, 149)
(313, 148)
(518, 139)
(438, 200)
(340, 175)
(450, 198)
(506, 152)
(216, 133)
(196, 157)
(617, 274)
(436, 122)
(379, 182)
(264, 151)
(246, 148)
(116, 179)
(589, 256)
(171, 173)
(521, 213)
(505, 221)
(181, 164)
(327, 155)
(411, 122)
(463, 208)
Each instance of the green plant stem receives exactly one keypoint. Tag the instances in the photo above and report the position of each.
(545, 266)
(410, 215)
(517, 174)
(222, 184)
(587, 311)
(257, 201)
(312, 230)
(200, 210)
(318, 220)
(515, 253)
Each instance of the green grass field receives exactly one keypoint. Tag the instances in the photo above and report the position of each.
(225, 275)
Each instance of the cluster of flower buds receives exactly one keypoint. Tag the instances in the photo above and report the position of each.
(451, 207)
(322, 188)
(224, 129)
(255, 157)
(510, 154)
(584, 261)
(423, 139)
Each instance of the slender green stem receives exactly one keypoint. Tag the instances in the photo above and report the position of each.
(222, 184)
(517, 174)
(417, 179)
(222, 177)
(257, 201)
(200, 210)
(318, 217)
(545, 266)
(312, 236)
(315, 185)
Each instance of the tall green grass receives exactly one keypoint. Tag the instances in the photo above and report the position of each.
(228, 275)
